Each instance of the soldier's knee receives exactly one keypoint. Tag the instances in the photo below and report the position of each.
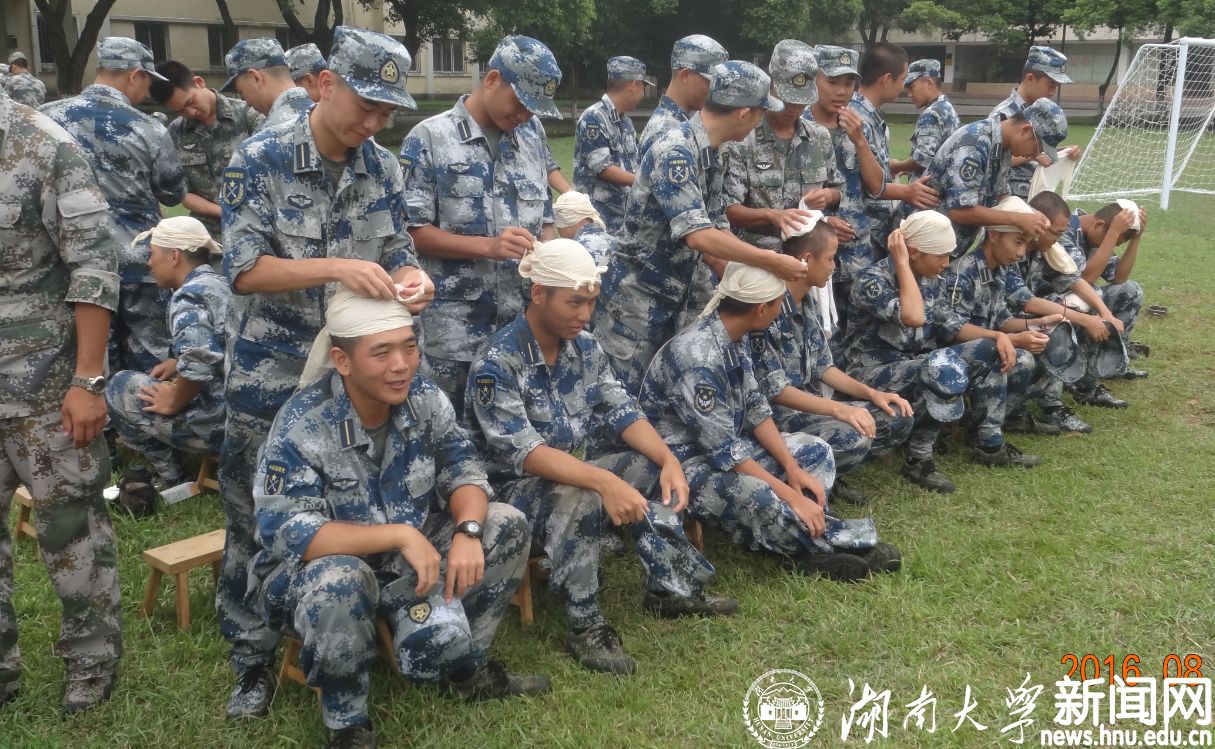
(811, 452)
(507, 529)
(341, 582)
(122, 392)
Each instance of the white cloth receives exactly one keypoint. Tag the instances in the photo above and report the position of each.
(1011, 204)
(348, 315)
(1056, 178)
(745, 283)
(573, 207)
(180, 233)
(807, 225)
(1130, 205)
(562, 264)
(929, 232)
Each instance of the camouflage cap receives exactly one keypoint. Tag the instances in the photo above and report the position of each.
(793, 68)
(833, 61)
(944, 378)
(736, 83)
(252, 54)
(306, 59)
(1050, 125)
(926, 68)
(16, 55)
(625, 68)
(1109, 357)
(373, 64)
(1049, 62)
(1061, 357)
(697, 53)
(531, 70)
(121, 53)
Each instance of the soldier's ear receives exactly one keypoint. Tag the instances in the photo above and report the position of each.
(200, 82)
(341, 361)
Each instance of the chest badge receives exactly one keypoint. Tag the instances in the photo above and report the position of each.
(299, 201)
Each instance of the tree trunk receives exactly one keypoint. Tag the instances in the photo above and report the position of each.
(4, 35)
(287, 9)
(1168, 32)
(1105, 86)
(71, 54)
(230, 31)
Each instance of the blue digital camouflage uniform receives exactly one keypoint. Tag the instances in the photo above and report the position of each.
(288, 107)
(520, 403)
(319, 465)
(697, 53)
(604, 138)
(648, 281)
(857, 253)
(598, 242)
(877, 134)
(197, 312)
(304, 59)
(762, 171)
(25, 88)
(703, 398)
(278, 201)
(970, 169)
(793, 352)
(1044, 61)
(980, 295)
(453, 181)
(56, 252)
(204, 150)
(666, 116)
(138, 170)
(885, 354)
(933, 127)
(1033, 277)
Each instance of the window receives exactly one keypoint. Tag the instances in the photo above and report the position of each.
(215, 46)
(447, 56)
(155, 36)
(45, 56)
(415, 65)
(287, 39)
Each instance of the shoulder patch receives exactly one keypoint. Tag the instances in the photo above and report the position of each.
(406, 161)
(419, 612)
(969, 169)
(592, 131)
(679, 170)
(705, 397)
(757, 342)
(487, 389)
(871, 288)
(232, 190)
(276, 477)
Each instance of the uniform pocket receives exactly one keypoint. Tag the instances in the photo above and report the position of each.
(462, 204)
(14, 248)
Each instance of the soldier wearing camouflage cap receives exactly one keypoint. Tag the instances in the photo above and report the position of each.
(138, 170)
(1040, 79)
(605, 142)
(937, 121)
(22, 85)
(257, 70)
(307, 202)
(675, 221)
(692, 60)
(477, 199)
(306, 62)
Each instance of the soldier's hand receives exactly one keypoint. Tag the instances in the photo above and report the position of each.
(922, 196)
(83, 414)
(1095, 327)
(896, 245)
(1122, 222)
(1142, 220)
(1006, 351)
(843, 230)
(513, 243)
(160, 399)
(415, 282)
(858, 418)
(805, 483)
(1033, 341)
(892, 403)
(465, 565)
(808, 511)
(789, 269)
(1043, 159)
(788, 220)
(853, 127)
(421, 555)
(365, 278)
(622, 503)
(674, 485)
(1118, 325)
(1075, 152)
(165, 370)
(817, 198)
(1034, 223)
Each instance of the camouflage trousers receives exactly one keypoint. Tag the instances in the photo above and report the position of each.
(154, 436)
(570, 524)
(704, 283)
(748, 511)
(331, 604)
(611, 213)
(251, 641)
(139, 335)
(628, 351)
(850, 448)
(451, 376)
(75, 540)
(1124, 301)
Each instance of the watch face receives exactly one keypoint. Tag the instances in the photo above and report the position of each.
(471, 528)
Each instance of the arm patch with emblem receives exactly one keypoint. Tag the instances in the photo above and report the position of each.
(705, 397)
(276, 477)
(232, 185)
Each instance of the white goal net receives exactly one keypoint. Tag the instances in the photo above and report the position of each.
(1157, 135)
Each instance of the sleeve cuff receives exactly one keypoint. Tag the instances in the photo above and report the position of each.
(296, 534)
(689, 221)
(96, 287)
(622, 417)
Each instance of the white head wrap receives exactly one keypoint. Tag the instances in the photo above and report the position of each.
(1012, 204)
(562, 264)
(1132, 206)
(1058, 258)
(929, 232)
(572, 207)
(180, 233)
(806, 226)
(745, 283)
(348, 315)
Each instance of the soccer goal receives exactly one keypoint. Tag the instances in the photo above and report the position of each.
(1156, 136)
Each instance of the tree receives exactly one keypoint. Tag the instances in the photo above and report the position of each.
(230, 32)
(425, 20)
(322, 31)
(1127, 18)
(766, 22)
(1187, 17)
(70, 50)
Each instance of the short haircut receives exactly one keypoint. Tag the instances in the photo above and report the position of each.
(20, 61)
(1050, 204)
(618, 84)
(1027, 70)
(815, 241)
(880, 59)
(179, 75)
(732, 306)
(1108, 212)
(345, 344)
(714, 108)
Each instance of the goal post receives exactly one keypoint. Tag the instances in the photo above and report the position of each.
(1156, 136)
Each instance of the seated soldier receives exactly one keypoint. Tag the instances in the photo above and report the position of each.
(180, 403)
(576, 218)
(795, 369)
(902, 343)
(977, 288)
(371, 502)
(766, 489)
(540, 390)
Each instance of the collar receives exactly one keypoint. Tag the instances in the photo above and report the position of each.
(1016, 100)
(940, 98)
(467, 127)
(529, 349)
(728, 348)
(201, 270)
(612, 114)
(787, 307)
(700, 136)
(669, 104)
(306, 157)
(867, 106)
(225, 108)
(107, 92)
(350, 431)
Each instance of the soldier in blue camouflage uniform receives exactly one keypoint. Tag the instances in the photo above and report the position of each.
(372, 503)
(765, 488)
(300, 211)
(58, 286)
(541, 391)
(971, 169)
(785, 162)
(306, 62)
(137, 167)
(257, 70)
(576, 218)
(477, 199)
(937, 121)
(675, 218)
(1040, 79)
(22, 85)
(206, 131)
(605, 143)
(180, 403)
(692, 61)
(795, 369)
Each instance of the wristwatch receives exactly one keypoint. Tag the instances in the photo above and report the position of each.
(470, 528)
(95, 385)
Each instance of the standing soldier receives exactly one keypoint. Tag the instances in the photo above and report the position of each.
(605, 143)
(937, 121)
(306, 63)
(59, 285)
(137, 167)
(692, 61)
(257, 70)
(22, 85)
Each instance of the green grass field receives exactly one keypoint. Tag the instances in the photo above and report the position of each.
(1105, 549)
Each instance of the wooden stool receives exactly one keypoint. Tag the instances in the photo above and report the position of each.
(24, 526)
(695, 532)
(178, 559)
(523, 596)
(207, 473)
(291, 671)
